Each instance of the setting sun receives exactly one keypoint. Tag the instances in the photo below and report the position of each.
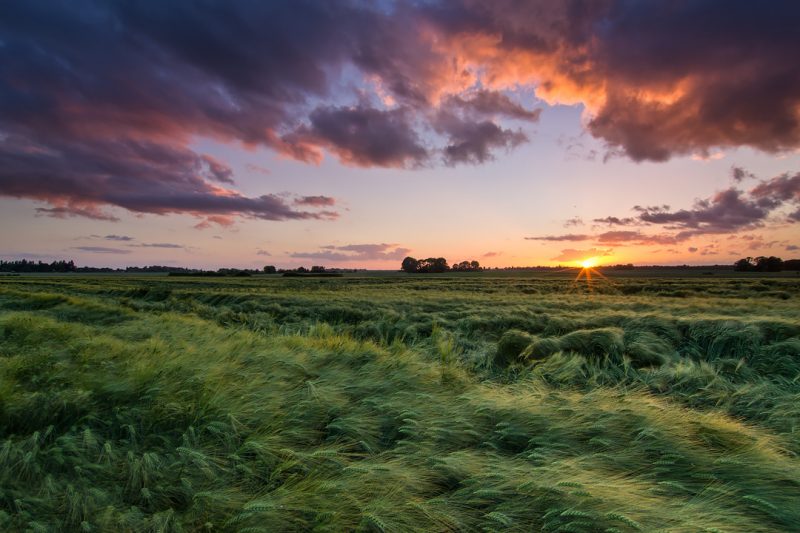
(589, 263)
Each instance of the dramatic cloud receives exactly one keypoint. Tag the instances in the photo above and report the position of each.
(656, 79)
(474, 142)
(100, 102)
(355, 253)
(571, 254)
(80, 177)
(360, 136)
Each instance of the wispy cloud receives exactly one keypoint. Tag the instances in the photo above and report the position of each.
(730, 211)
(355, 253)
(168, 245)
(101, 250)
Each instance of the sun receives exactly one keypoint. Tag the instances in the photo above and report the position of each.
(589, 263)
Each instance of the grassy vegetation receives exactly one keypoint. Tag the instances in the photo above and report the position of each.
(463, 403)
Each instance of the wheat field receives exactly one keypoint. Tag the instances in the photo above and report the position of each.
(399, 403)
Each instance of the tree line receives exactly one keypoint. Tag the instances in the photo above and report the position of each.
(765, 264)
(23, 265)
(437, 265)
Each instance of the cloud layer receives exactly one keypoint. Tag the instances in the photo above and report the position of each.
(728, 212)
(100, 101)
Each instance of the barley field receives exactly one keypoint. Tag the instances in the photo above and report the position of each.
(391, 403)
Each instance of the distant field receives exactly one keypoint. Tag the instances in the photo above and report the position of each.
(494, 401)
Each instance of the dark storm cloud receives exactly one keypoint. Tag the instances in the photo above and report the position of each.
(80, 178)
(686, 76)
(362, 136)
(101, 101)
(474, 142)
(659, 79)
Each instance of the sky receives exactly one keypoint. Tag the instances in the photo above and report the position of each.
(353, 134)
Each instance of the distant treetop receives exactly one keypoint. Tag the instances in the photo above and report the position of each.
(437, 265)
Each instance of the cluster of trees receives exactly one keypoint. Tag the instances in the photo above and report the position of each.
(765, 264)
(23, 265)
(466, 266)
(435, 265)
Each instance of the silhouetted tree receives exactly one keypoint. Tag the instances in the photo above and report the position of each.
(743, 265)
(791, 264)
(432, 265)
(466, 266)
(769, 264)
(410, 265)
(759, 264)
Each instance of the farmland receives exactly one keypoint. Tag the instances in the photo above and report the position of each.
(474, 402)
